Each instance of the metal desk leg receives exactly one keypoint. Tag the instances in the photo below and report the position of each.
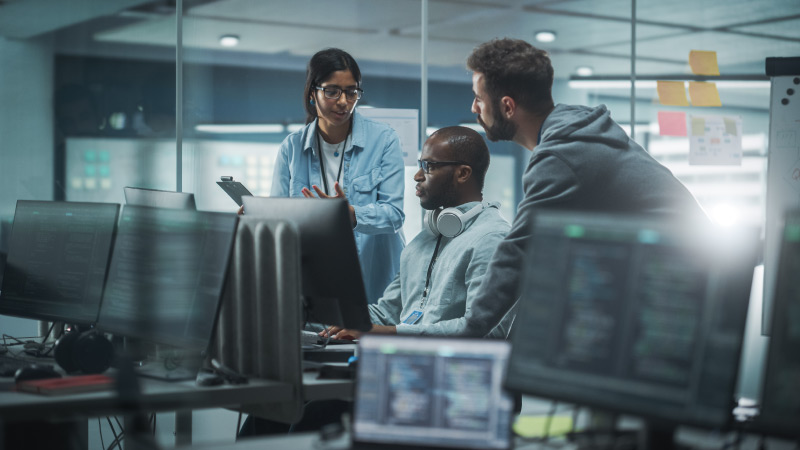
(183, 427)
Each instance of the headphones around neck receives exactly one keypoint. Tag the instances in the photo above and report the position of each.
(450, 222)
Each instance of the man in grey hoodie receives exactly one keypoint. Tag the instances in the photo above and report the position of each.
(581, 160)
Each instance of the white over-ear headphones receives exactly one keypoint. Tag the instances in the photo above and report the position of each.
(450, 222)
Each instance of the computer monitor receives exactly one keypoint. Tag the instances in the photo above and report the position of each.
(167, 276)
(333, 289)
(433, 392)
(159, 199)
(636, 315)
(57, 260)
(780, 399)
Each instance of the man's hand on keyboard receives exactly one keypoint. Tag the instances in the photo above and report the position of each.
(340, 333)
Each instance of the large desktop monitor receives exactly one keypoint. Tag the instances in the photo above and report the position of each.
(780, 399)
(332, 285)
(433, 392)
(636, 315)
(159, 199)
(167, 276)
(57, 260)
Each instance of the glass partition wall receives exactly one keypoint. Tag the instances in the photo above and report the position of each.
(88, 90)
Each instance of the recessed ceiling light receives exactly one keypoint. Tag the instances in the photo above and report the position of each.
(545, 36)
(584, 71)
(229, 40)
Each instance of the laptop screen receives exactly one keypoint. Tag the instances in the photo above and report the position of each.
(436, 392)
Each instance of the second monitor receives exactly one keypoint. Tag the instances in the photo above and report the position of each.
(332, 284)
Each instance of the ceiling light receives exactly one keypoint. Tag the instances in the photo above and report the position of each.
(584, 71)
(240, 128)
(229, 40)
(545, 36)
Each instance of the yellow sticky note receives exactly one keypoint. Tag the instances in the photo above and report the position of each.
(536, 426)
(672, 93)
(698, 126)
(704, 94)
(703, 62)
(730, 126)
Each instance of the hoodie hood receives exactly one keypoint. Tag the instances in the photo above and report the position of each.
(583, 124)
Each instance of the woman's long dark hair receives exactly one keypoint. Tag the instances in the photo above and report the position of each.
(320, 67)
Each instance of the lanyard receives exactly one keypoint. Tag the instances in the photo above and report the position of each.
(430, 271)
(322, 163)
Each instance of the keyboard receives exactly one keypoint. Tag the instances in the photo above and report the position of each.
(312, 338)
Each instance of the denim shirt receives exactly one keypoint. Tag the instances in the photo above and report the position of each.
(456, 277)
(372, 180)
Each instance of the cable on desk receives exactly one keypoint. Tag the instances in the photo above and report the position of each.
(100, 429)
(549, 420)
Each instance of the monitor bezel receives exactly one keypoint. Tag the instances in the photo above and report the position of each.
(56, 317)
(327, 247)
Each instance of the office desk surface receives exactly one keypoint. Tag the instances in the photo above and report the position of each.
(159, 395)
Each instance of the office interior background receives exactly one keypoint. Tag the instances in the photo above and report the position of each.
(95, 96)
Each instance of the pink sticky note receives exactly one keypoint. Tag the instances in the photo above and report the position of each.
(672, 123)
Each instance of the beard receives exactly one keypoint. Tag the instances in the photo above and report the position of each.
(501, 130)
(445, 196)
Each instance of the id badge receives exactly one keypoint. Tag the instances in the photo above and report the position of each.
(413, 317)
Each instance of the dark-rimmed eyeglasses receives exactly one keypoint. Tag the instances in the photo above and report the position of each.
(426, 165)
(335, 92)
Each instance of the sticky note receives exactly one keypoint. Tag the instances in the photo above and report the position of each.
(730, 126)
(672, 123)
(698, 126)
(536, 426)
(704, 94)
(672, 93)
(703, 62)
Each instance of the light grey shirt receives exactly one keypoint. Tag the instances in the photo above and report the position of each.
(456, 276)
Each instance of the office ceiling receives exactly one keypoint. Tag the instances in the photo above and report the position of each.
(385, 35)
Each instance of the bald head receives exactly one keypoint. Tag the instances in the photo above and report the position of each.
(465, 144)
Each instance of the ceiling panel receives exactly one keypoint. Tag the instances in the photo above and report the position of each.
(524, 25)
(731, 49)
(693, 13)
(785, 28)
(355, 14)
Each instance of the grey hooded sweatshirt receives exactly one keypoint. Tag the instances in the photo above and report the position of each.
(584, 161)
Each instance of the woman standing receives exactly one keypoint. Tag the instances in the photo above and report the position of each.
(340, 154)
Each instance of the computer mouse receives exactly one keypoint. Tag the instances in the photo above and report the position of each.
(36, 372)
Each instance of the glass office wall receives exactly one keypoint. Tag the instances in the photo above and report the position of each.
(88, 89)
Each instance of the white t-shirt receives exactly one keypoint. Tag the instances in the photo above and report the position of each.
(332, 157)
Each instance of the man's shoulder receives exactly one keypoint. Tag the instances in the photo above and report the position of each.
(489, 223)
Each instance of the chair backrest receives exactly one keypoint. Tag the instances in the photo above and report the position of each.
(258, 332)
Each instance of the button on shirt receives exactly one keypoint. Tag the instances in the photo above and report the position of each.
(372, 179)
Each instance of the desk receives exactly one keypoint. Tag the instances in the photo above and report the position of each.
(159, 396)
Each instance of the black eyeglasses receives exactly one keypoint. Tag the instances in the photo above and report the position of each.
(334, 92)
(426, 165)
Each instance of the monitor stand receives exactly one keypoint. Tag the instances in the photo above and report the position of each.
(658, 435)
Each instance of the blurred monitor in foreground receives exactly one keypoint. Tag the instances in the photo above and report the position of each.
(432, 392)
(332, 285)
(167, 276)
(780, 408)
(57, 260)
(159, 199)
(635, 315)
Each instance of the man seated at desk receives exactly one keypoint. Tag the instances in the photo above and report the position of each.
(438, 274)
(443, 266)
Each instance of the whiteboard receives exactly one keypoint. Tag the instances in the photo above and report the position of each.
(783, 177)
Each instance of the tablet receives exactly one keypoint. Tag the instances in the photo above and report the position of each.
(234, 189)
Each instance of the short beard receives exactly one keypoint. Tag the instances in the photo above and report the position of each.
(447, 198)
(501, 130)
